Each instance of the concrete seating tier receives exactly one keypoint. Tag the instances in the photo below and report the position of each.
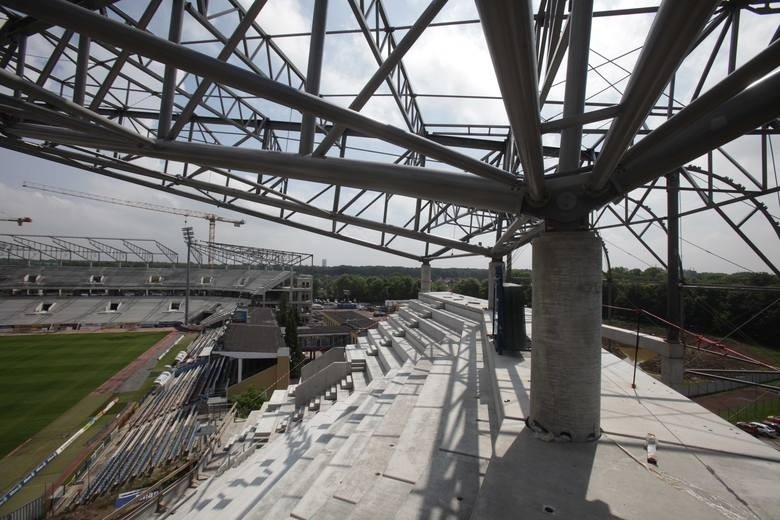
(425, 439)
(387, 357)
(426, 323)
(81, 277)
(93, 310)
(409, 442)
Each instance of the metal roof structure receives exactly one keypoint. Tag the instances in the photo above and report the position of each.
(231, 254)
(85, 249)
(47, 248)
(247, 114)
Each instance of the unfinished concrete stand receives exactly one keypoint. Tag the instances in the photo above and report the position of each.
(566, 351)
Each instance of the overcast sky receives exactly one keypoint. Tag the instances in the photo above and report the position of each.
(452, 60)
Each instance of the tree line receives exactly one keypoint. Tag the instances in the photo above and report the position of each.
(748, 314)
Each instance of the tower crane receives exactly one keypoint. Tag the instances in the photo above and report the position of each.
(20, 220)
(212, 218)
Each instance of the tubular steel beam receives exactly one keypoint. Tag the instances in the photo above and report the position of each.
(71, 109)
(508, 28)
(759, 66)
(100, 28)
(411, 181)
(373, 22)
(660, 57)
(313, 72)
(229, 46)
(206, 188)
(554, 65)
(82, 65)
(751, 108)
(384, 70)
(169, 78)
(744, 112)
(121, 59)
(576, 81)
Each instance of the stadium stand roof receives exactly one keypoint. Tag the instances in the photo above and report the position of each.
(121, 250)
(84, 249)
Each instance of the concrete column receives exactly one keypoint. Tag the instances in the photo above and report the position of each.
(672, 367)
(425, 277)
(240, 370)
(566, 345)
(492, 281)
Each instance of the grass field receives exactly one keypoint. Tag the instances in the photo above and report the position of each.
(42, 376)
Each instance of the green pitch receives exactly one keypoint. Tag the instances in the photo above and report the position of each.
(42, 376)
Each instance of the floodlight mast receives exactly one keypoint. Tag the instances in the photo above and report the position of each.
(211, 217)
(188, 235)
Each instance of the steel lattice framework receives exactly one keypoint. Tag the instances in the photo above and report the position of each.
(84, 249)
(232, 254)
(200, 99)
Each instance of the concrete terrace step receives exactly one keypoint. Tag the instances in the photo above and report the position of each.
(359, 469)
(278, 398)
(373, 369)
(409, 443)
(420, 340)
(329, 452)
(463, 306)
(238, 491)
(387, 357)
(347, 383)
(443, 449)
(452, 321)
(356, 356)
(367, 343)
(279, 503)
(425, 325)
(400, 345)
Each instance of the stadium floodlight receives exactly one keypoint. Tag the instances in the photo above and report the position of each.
(188, 235)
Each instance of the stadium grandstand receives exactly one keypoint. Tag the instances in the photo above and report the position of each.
(66, 282)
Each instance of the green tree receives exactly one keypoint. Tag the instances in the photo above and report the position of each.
(250, 400)
(292, 321)
(467, 287)
(351, 287)
(438, 286)
(376, 289)
(398, 287)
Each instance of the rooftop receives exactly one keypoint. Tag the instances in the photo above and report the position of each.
(349, 318)
(251, 338)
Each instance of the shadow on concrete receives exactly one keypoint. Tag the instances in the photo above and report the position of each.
(535, 479)
(452, 482)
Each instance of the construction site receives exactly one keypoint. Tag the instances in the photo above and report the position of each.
(568, 138)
